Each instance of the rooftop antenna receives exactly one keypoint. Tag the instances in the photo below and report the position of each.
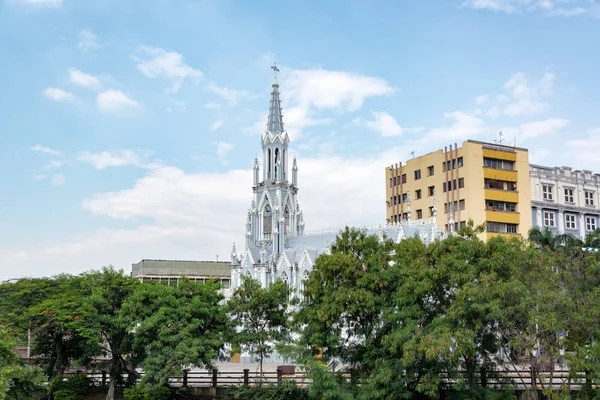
(500, 138)
(412, 153)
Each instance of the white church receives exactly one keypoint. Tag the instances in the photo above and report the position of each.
(276, 245)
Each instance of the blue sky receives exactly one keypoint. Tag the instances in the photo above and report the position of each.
(128, 128)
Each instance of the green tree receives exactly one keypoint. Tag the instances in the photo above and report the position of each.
(546, 238)
(60, 331)
(592, 239)
(108, 291)
(17, 297)
(342, 317)
(175, 327)
(260, 316)
(17, 381)
(402, 316)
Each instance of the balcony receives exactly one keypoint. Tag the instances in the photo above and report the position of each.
(504, 234)
(508, 196)
(500, 174)
(506, 217)
(267, 236)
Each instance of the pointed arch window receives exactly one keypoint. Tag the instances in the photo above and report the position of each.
(267, 221)
(286, 216)
(286, 281)
(269, 164)
(277, 167)
(283, 164)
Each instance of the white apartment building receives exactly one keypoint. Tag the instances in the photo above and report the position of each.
(565, 200)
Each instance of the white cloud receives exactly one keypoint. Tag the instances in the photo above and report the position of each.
(464, 125)
(58, 180)
(223, 148)
(323, 89)
(538, 156)
(585, 151)
(384, 124)
(526, 97)
(230, 95)
(55, 164)
(115, 100)
(84, 80)
(536, 129)
(46, 150)
(39, 177)
(481, 99)
(107, 159)
(168, 65)
(58, 95)
(548, 7)
(305, 93)
(87, 41)
(216, 125)
(212, 105)
(198, 216)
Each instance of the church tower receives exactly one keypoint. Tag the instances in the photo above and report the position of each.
(274, 213)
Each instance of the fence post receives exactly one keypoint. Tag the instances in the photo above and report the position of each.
(246, 377)
(483, 377)
(103, 378)
(214, 377)
(279, 375)
(185, 378)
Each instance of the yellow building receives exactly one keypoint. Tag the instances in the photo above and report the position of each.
(484, 182)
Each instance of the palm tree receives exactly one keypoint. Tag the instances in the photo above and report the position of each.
(593, 239)
(545, 238)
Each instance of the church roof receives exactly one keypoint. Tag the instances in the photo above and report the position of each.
(318, 242)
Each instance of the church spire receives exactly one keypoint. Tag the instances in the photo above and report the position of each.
(275, 119)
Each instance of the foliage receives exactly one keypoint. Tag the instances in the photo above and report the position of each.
(135, 393)
(17, 297)
(283, 391)
(16, 380)
(261, 316)
(141, 392)
(176, 326)
(64, 394)
(378, 320)
(77, 386)
(401, 316)
(108, 290)
(60, 330)
(346, 294)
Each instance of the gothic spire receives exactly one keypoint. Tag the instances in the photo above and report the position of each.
(275, 119)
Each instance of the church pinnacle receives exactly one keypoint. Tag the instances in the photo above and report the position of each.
(275, 119)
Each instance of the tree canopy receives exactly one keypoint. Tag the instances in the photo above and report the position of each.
(376, 320)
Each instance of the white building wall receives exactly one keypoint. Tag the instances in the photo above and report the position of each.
(581, 211)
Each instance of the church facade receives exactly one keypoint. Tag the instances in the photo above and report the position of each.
(276, 244)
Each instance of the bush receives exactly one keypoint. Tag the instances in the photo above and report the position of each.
(135, 393)
(284, 391)
(161, 393)
(141, 393)
(64, 394)
(74, 388)
(79, 384)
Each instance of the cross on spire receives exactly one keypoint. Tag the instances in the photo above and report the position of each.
(275, 71)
